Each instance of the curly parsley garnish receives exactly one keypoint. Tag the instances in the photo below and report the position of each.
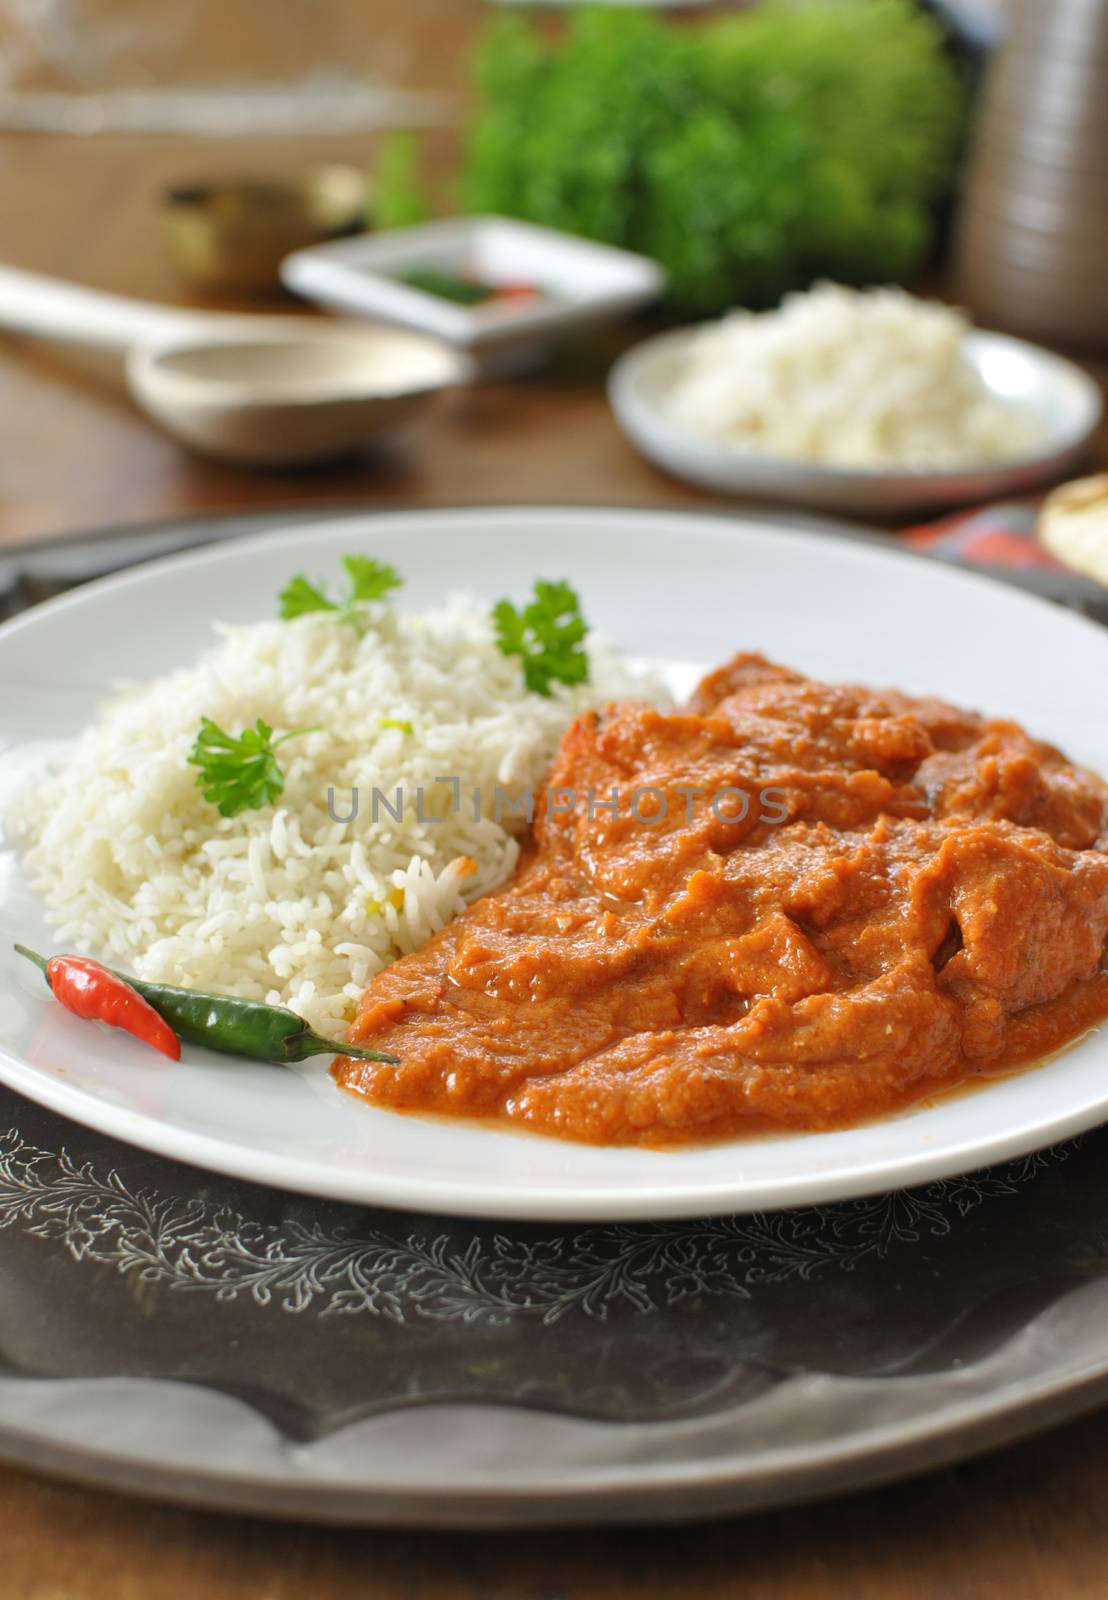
(369, 580)
(547, 635)
(239, 774)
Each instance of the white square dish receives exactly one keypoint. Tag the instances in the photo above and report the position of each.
(581, 283)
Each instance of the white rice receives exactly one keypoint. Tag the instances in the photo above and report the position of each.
(286, 904)
(870, 379)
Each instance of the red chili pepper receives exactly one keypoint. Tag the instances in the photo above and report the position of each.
(92, 992)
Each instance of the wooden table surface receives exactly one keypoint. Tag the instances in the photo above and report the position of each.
(1027, 1522)
(76, 453)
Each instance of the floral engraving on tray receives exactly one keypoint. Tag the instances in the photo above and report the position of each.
(461, 1274)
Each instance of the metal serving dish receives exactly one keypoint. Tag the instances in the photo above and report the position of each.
(233, 233)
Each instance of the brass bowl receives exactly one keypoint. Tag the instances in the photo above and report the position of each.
(232, 234)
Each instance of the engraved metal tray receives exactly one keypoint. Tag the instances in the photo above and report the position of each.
(186, 1336)
(176, 1334)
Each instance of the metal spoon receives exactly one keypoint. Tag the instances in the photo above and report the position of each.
(268, 391)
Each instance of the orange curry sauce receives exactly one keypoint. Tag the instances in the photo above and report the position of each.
(914, 896)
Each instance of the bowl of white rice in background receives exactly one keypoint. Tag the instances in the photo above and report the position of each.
(293, 903)
(869, 401)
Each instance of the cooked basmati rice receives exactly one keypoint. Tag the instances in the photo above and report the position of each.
(871, 379)
(287, 904)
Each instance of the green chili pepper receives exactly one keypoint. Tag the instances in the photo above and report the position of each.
(235, 1027)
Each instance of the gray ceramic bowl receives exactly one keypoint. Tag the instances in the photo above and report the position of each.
(1068, 401)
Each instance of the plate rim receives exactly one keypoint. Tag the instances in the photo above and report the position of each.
(798, 523)
(539, 1204)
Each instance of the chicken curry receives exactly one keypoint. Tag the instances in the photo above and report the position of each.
(786, 905)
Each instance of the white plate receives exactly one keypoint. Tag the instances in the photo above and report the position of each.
(682, 588)
(1067, 400)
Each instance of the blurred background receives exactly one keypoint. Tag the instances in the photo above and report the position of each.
(750, 149)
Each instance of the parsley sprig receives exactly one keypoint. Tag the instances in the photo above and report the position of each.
(239, 774)
(547, 635)
(369, 580)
